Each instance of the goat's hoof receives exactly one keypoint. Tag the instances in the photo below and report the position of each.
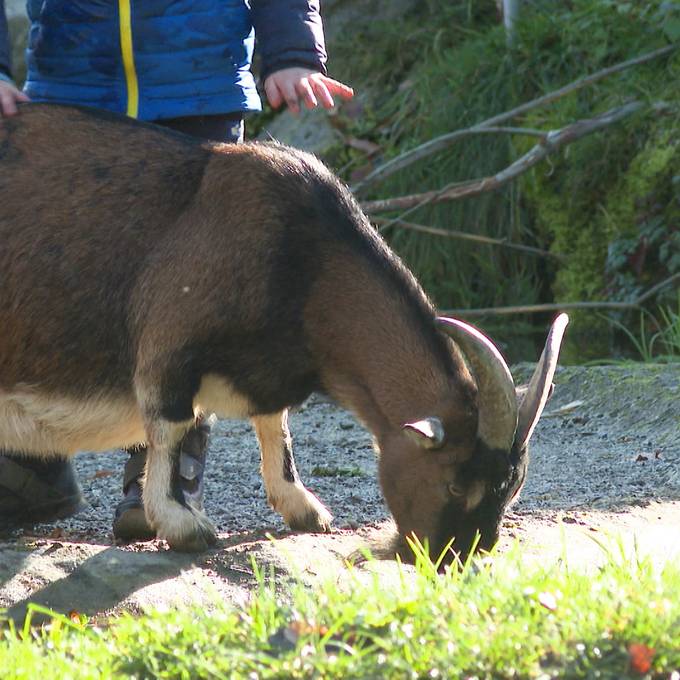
(317, 521)
(190, 532)
(194, 544)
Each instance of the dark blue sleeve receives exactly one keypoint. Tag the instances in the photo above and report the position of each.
(288, 33)
(5, 66)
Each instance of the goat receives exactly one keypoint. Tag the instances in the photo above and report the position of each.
(147, 278)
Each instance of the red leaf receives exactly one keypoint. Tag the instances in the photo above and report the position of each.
(640, 658)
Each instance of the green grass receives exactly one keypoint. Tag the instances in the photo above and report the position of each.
(335, 471)
(657, 338)
(495, 618)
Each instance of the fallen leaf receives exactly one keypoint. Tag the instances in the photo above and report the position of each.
(102, 473)
(548, 600)
(640, 658)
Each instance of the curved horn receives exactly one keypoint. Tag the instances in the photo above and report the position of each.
(540, 385)
(497, 401)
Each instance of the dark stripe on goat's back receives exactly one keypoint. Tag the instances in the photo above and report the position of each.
(333, 218)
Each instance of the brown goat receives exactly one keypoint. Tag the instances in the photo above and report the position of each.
(146, 278)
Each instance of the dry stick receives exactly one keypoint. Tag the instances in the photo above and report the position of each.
(532, 309)
(551, 143)
(438, 143)
(452, 233)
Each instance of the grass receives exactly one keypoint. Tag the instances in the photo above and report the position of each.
(494, 618)
(657, 339)
(335, 471)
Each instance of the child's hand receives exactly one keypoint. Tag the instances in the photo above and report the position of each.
(9, 96)
(289, 85)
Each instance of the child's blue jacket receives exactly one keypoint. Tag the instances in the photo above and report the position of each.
(158, 59)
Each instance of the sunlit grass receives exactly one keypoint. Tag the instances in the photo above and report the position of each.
(494, 617)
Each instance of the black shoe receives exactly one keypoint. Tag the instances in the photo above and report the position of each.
(129, 523)
(35, 490)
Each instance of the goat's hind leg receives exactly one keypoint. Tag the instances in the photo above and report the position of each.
(299, 507)
(183, 527)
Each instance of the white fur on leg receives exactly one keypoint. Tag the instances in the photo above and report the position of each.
(185, 529)
(298, 506)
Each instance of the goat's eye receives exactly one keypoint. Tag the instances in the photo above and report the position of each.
(454, 490)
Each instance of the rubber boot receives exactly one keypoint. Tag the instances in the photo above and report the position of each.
(130, 523)
(36, 490)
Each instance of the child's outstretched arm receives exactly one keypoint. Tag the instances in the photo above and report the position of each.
(291, 45)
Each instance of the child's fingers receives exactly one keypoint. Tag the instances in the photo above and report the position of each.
(338, 88)
(8, 106)
(304, 89)
(273, 94)
(322, 92)
(290, 95)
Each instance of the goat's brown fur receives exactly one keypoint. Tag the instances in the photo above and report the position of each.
(145, 276)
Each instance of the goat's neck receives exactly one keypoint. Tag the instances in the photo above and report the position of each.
(377, 360)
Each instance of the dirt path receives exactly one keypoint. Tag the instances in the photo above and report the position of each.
(606, 469)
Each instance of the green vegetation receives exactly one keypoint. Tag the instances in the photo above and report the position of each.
(337, 471)
(658, 337)
(495, 618)
(609, 202)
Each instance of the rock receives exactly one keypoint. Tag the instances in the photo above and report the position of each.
(310, 131)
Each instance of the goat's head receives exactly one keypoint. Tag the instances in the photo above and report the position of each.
(452, 474)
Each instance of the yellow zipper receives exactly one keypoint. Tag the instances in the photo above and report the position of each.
(125, 14)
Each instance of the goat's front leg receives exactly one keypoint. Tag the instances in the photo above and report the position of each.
(299, 507)
(183, 527)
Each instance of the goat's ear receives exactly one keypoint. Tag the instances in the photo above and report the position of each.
(427, 433)
(540, 387)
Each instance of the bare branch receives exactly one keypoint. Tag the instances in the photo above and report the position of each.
(553, 141)
(439, 143)
(561, 307)
(383, 224)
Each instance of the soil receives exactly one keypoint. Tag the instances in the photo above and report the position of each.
(604, 475)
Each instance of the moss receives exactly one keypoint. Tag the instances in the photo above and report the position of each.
(601, 223)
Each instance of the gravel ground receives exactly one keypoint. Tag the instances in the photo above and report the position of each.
(619, 447)
(333, 453)
(605, 464)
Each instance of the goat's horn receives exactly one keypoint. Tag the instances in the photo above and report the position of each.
(497, 401)
(540, 385)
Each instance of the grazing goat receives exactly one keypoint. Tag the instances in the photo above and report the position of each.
(147, 278)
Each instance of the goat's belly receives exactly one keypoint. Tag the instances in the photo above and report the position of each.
(217, 395)
(37, 423)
